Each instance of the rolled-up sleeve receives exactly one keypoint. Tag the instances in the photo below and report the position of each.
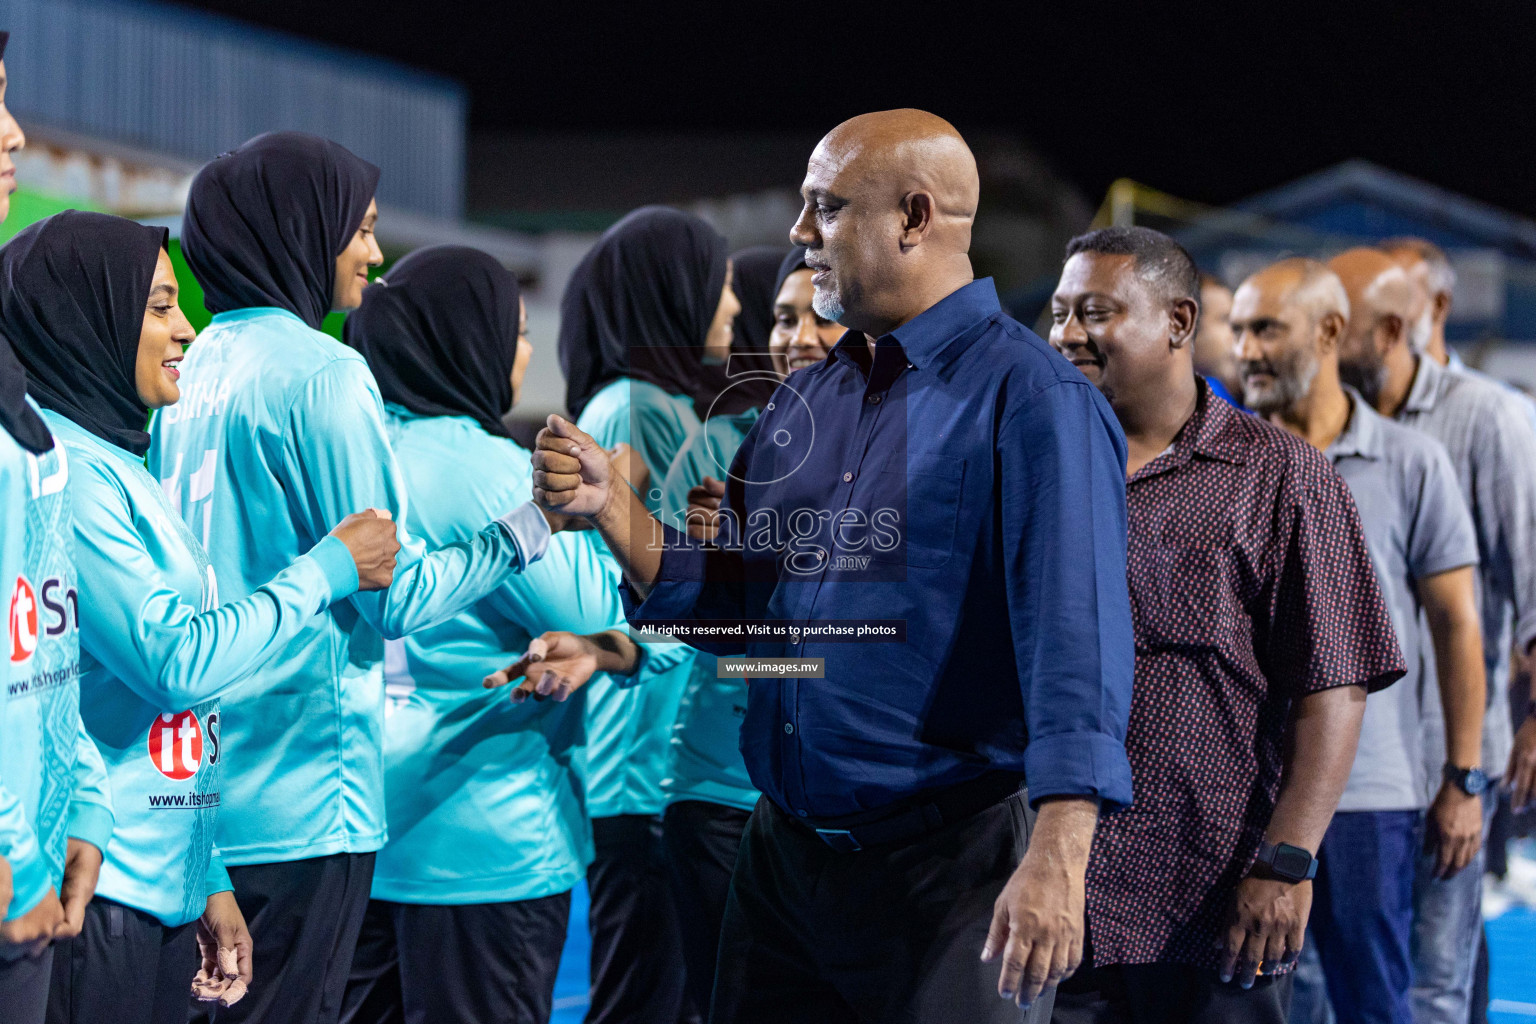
(693, 583)
(697, 580)
(1062, 462)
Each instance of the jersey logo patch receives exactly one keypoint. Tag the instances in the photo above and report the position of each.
(176, 745)
(22, 620)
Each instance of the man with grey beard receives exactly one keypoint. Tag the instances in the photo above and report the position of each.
(1432, 274)
(1288, 322)
(894, 842)
(1493, 451)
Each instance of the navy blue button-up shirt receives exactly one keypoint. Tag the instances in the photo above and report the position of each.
(967, 480)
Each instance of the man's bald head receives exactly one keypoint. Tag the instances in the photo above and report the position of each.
(1439, 274)
(1287, 321)
(1307, 284)
(1431, 272)
(899, 151)
(1375, 282)
(889, 202)
(1383, 302)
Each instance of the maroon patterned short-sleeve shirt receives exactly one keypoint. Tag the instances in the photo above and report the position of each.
(1250, 587)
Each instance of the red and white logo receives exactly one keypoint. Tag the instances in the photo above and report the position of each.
(22, 620)
(176, 745)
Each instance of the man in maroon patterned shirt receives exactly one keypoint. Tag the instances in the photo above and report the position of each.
(1259, 630)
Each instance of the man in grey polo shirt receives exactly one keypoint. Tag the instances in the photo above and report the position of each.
(1429, 268)
(1493, 452)
(1288, 322)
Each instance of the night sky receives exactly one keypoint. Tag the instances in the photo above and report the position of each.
(1212, 105)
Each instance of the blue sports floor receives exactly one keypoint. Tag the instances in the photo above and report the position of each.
(1511, 939)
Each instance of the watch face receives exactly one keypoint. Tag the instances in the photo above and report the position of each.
(1476, 781)
(1291, 862)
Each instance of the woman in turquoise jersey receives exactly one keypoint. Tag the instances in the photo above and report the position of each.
(55, 817)
(282, 433)
(708, 793)
(485, 797)
(643, 310)
(89, 303)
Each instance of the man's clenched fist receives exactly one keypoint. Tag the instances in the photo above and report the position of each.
(571, 472)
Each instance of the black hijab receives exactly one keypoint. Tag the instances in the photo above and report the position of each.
(793, 260)
(16, 416)
(752, 272)
(73, 288)
(640, 304)
(439, 332)
(265, 223)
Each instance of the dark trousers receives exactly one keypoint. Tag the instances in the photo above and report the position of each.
(24, 986)
(304, 916)
(886, 933)
(461, 964)
(125, 967)
(1168, 994)
(702, 842)
(637, 959)
(1362, 914)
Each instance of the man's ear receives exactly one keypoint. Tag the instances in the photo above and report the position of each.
(917, 211)
(1391, 331)
(1330, 329)
(1182, 320)
(1441, 305)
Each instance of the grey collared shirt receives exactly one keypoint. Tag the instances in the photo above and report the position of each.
(1493, 450)
(1527, 404)
(1416, 525)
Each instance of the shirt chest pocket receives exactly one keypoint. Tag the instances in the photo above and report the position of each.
(1183, 597)
(916, 507)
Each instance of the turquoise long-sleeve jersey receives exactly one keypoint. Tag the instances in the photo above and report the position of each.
(704, 759)
(279, 435)
(157, 651)
(487, 798)
(628, 730)
(53, 784)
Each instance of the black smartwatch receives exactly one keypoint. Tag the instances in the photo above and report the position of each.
(1288, 863)
(1471, 781)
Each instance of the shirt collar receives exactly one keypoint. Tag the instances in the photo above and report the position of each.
(64, 427)
(1208, 433)
(1362, 434)
(932, 339)
(1426, 386)
(252, 313)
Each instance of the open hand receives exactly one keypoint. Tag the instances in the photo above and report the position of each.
(1268, 925)
(557, 664)
(224, 943)
(1037, 920)
(1454, 829)
(370, 536)
(1520, 776)
(571, 472)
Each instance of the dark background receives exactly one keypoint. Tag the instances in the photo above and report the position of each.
(1211, 102)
